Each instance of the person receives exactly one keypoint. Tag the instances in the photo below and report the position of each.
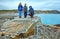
(25, 11)
(20, 9)
(31, 11)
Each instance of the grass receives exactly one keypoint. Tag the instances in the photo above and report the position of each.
(7, 11)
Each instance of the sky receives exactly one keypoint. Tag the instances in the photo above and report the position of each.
(36, 4)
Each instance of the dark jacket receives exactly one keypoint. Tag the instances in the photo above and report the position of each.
(31, 10)
(25, 8)
(20, 8)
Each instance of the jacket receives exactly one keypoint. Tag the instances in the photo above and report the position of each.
(25, 8)
(31, 10)
(20, 8)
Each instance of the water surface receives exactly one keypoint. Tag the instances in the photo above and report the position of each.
(49, 19)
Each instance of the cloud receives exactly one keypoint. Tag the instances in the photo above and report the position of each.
(37, 4)
(3, 7)
(52, 6)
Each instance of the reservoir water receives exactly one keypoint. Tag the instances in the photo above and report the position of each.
(49, 19)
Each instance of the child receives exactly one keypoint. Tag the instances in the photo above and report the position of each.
(25, 11)
(31, 11)
(20, 9)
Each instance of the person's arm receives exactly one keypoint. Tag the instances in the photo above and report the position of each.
(18, 8)
(33, 11)
(28, 11)
(22, 8)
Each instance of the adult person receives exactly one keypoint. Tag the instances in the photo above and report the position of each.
(25, 11)
(20, 9)
(31, 11)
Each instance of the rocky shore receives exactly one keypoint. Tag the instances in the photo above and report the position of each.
(41, 31)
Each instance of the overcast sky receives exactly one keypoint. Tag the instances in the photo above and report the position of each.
(36, 4)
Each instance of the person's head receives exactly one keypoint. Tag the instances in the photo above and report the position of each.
(30, 6)
(25, 4)
(20, 4)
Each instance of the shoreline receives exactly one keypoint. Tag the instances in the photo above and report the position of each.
(11, 16)
(5, 17)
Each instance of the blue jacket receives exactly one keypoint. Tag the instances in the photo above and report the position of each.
(20, 8)
(31, 10)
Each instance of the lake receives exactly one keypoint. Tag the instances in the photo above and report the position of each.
(49, 19)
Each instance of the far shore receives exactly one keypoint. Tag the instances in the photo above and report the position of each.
(36, 11)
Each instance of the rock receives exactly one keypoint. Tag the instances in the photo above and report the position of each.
(14, 26)
(21, 25)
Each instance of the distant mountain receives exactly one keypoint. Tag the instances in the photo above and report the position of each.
(36, 11)
(48, 11)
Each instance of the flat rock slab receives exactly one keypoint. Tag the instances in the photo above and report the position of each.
(19, 25)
